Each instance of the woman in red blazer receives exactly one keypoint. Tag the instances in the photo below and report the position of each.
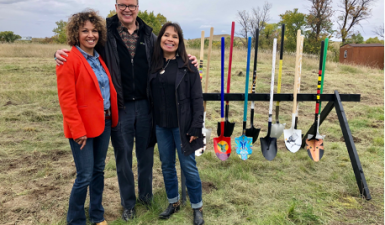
(88, 101)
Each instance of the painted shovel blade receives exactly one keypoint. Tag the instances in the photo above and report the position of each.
(244, 145)
(277, 130)
(222, 147)
(315, 147)
(269, 147)
(253, 133)
(293, 139)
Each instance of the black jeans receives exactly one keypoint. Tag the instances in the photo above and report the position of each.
(135, 122)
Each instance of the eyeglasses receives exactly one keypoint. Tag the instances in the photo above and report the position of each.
(130, 7)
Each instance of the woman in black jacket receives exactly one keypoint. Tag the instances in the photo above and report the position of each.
(176, 96)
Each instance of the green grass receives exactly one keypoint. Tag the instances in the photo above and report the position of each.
(37, 169)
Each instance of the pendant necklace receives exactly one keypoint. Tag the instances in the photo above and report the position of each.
(164, 68)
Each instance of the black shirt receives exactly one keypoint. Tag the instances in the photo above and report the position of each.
(163, 89)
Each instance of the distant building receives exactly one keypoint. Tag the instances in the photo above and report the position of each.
(25, 39)
(363, 54)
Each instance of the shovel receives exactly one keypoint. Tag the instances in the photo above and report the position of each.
(206, 132)
(314, 143)
(200, 151)
(268, 143)
(277, 128)
(252, 131)
(229, 127)
(293, 136)
(222, 144)
(244, 143)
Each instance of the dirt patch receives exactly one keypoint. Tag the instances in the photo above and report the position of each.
(208, 187)
(9, 103)
(355, 139)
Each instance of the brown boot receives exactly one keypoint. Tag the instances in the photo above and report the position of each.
(102, 223)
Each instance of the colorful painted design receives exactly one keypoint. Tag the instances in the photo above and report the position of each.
(315, 149)
(201, 68)
(244, 144)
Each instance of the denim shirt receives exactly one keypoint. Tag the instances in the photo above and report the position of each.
(101, 75)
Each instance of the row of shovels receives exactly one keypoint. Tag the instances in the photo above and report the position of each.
(292, 136)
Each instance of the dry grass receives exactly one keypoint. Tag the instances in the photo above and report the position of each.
(37, 169)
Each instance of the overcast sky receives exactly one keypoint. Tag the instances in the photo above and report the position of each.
(37, 18)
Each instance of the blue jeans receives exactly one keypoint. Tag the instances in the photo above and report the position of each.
(169, 139)
(90, 163)
(134, 127)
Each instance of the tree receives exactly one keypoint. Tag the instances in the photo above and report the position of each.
(319, 19)
(156, 22)
(244, 20)
(260, 18)
(8, 36)
(294, 21)
(111, 14)
(374, 40)
(355, 38)
(379, 31)
(351, 14)
(60, 32)
(267, 35)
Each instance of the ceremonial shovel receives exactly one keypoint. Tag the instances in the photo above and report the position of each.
(293, 136)
(277, 128)
(229, 127)
(269, 144)
(200, 151)
(314, 143)
(206, 132)
(252, 131)
(222, 144)
(244, 143)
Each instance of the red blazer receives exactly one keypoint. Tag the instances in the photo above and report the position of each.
(81, 101)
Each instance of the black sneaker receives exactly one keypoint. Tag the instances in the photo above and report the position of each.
(128, 214)
(171, 209)
(198, 216)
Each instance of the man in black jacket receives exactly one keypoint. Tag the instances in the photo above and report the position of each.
(127, 54)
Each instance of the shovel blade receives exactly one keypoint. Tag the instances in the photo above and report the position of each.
(293, 139)
(253, 133)
(315, 148)
(222, 147)
(229, 128)
(243, 145)
(206, 132)
(277, 130)
(269, 147)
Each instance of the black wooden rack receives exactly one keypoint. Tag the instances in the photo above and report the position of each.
(334, 101)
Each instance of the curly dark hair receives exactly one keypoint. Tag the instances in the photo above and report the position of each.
(77, 20)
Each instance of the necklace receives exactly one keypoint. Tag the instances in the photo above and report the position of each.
(164, 68)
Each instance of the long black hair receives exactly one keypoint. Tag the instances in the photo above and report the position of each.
(157, 57)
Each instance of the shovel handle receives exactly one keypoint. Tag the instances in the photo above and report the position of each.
(222, 76)
(280, 63)
(209, 57)
(323, 68)
(230, 58)
(277, 113)
(201, 54)
(255, 60)
(247, 79)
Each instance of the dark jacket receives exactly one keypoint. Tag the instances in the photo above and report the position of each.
(189, 100)
(110, 53)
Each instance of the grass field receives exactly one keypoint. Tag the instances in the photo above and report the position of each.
(37, 169)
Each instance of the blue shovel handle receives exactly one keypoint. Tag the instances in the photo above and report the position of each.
(222, 76)
(247, 79)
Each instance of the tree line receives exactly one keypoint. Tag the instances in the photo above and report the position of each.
(316, 25)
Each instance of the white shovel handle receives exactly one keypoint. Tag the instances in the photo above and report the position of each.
(272, 77)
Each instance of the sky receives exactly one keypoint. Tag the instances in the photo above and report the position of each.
(37, 18)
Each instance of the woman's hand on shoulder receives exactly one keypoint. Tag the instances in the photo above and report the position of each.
(59, 56)
(193, 60)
